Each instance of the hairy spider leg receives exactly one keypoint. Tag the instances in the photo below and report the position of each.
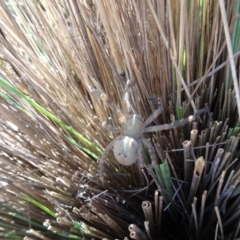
(141, 163)
(105, 99)
(110, 128)
(104, 155)
(153, 116)
(151, 151)
(176, 123)
(127, 98)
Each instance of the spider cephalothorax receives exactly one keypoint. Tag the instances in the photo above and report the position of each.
(127, 147)
(133, 126)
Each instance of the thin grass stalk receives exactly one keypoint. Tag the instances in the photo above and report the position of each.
(237, 230)
(113, 46)
(194, 213)
(147, 228)
(197, 173)
(147, 209)
(230, 53)
(187, 164)
(171, 55)
(135, 231)
(160, 213)
(220, 183)
(203, 202)
(156, 207)
(219, 222)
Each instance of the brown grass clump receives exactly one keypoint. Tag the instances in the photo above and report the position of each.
(64, 70)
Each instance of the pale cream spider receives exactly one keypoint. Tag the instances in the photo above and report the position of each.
(127, 147)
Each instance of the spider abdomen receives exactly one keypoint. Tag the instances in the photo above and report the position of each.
(134, 126)
(125, 150)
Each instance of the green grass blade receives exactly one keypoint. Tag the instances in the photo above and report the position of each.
(39, 205)
(12, 235)
(166, 178)
(83, 140)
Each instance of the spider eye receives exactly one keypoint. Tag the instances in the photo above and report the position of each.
(134, 126)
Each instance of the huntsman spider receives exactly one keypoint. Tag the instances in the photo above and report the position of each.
(127, 146)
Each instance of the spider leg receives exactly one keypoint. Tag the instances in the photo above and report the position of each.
(141, 158)
(156, 113)
(151, 151)
(175, 124)
(153, 116)
(101, 160)
(126, 96)
(103, 96)
(141, 164)
(109, 127)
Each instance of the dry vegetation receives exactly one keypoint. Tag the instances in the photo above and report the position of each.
(55, 55)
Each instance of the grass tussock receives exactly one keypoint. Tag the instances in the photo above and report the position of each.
(64, 69)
